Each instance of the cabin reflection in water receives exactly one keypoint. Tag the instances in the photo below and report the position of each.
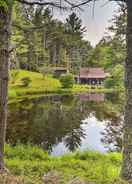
(93, 97)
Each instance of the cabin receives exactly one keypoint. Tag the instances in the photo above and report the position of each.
(58, 71)
(91, 76)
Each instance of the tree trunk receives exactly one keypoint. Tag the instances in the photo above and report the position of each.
(126, 172)
(5, 23)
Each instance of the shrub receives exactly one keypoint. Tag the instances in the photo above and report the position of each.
(67, 80)
(26, 81)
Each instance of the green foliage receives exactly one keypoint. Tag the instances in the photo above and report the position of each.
(67, 80)
(52, 43)
(4, 4)
(25, 152)
(32, 163)
(116, 78)
(119, 22)
(74, 26)
(108, 53)
(26, 81)
(12, 94)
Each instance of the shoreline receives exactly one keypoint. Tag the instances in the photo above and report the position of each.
(41, 86)
(60, 92)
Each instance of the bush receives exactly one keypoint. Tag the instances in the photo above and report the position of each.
(67, 80)
(26, 81)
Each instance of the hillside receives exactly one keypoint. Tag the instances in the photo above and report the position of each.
(38, 85)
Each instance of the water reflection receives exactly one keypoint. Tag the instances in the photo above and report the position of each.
(64, 123)
(95, 97)
(112, 135)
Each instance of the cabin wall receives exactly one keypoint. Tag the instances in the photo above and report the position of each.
(90, 81)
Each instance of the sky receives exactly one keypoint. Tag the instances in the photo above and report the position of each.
(96, 21)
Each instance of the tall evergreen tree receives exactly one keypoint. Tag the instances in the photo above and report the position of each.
(74, 26)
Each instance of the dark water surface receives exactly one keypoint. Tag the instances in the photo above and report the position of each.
(60, 124)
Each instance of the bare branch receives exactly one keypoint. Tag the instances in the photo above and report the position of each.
(88, 1)
(66, 5)
(42, 3)
(82, 4)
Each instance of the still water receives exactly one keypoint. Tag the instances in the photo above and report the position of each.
(60, 124)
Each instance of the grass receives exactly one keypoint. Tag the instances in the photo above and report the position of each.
(38, 85)
(44, 85)
(31, 163)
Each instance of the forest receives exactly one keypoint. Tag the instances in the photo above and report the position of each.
(41, 43)
(59, 122)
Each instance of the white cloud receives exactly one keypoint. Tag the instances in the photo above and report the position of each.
(96, 23)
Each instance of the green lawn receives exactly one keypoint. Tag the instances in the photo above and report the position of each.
(38, 85)
(31, 163)
(44, 85)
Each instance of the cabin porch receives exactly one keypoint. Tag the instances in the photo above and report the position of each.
(91, 81)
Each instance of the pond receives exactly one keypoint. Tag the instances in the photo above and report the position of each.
(60, 124)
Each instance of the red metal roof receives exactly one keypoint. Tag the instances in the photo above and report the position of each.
(90, 73)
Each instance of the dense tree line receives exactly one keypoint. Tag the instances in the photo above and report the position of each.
(110, 52)
(41, 40)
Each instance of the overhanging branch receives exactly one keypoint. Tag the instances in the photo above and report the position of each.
(68, 4)
(88, 1)
(42, 3)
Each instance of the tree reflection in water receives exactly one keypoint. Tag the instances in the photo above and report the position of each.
(48, 121)
(73, 139)
(113, 133)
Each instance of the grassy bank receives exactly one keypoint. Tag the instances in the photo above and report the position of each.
(44, 85)
(39, 84)
(31, 163)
